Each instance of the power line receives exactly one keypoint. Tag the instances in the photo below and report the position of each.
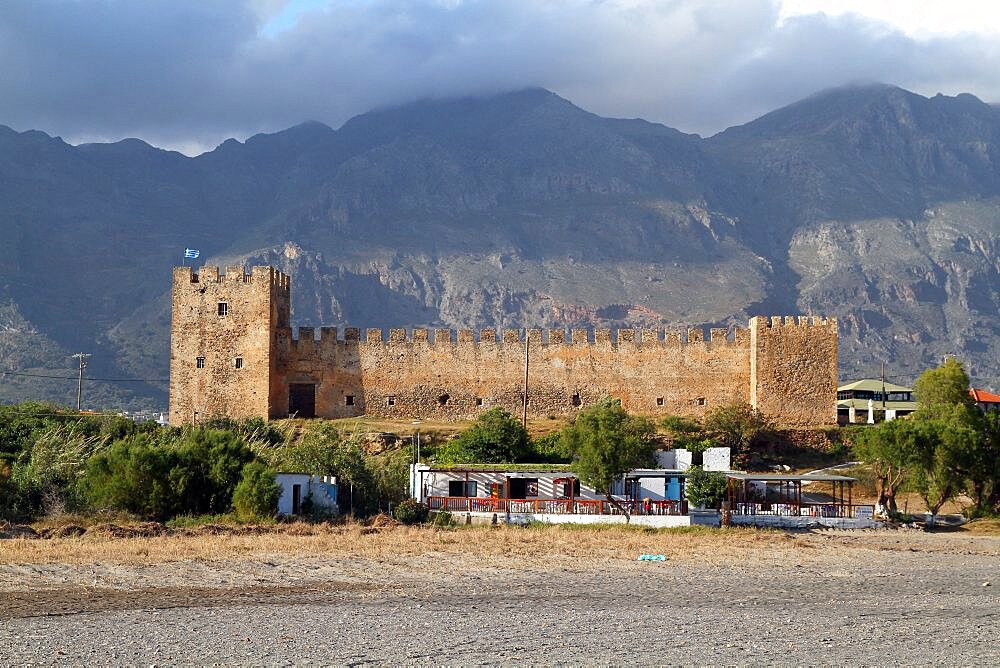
(103, 380)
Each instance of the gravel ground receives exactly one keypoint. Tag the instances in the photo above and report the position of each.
(840, 599)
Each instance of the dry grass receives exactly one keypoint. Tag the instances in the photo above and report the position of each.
(496, 545)
(982, 527)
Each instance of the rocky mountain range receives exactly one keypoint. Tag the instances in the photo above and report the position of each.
(869, 203)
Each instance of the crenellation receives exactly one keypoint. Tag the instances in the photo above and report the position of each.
(784, 366)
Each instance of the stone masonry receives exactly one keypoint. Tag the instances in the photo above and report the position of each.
(234, 353)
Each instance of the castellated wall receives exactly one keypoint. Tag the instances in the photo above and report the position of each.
(786, 367)
(455, 375)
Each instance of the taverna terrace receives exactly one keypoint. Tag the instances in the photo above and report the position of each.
(519, 494)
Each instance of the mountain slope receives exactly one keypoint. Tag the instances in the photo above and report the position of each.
(869, 203)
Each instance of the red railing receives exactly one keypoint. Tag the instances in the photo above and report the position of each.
(554, 506)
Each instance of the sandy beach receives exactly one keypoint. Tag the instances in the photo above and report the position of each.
(391, 595)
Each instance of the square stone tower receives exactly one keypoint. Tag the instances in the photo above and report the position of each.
(224, 342)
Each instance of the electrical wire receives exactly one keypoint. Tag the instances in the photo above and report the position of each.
(103, 380)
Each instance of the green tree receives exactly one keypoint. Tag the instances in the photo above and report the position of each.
(256, 495)
(606, 443)
(948, 384)
(495, 437)
(705, 488)
(888, 448)
(739, 427)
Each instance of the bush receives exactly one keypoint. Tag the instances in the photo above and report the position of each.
(496, 437)
(550, 449)
(444, 518)
(705, 488)
(256, 495)
(132, 476)
(411, 511)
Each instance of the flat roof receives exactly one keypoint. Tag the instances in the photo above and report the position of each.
(791, 477)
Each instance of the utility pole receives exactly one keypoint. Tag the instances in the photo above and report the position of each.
(524, 405)
(883, 386)
(79, 387)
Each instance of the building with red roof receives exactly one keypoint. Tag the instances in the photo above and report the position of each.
(985, 400)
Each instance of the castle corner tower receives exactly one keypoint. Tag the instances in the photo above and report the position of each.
(224, 342)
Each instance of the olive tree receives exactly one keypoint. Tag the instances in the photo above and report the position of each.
(606, 443)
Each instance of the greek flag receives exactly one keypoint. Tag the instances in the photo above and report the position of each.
(191, 253)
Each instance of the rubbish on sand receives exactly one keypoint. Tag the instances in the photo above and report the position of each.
(652, 557)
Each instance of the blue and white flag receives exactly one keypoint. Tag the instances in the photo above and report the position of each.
(191, 253)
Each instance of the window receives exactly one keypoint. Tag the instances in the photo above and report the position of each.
(461, 488)
(479, 401)
(349, 400)
(568, 488)
(239, 362)
(700, 401)
(575, 400)
(223, 308)
(390, 401)
(200, 362)
(659, 401)
(443, 400)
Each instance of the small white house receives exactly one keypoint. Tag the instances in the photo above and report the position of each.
(296, 488)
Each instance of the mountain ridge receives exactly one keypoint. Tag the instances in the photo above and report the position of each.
(872, 204)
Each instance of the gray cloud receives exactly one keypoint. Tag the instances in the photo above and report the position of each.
(190, 73)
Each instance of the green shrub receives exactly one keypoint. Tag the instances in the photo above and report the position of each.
(256, 495)
(134, 477)
(496, 437)
(706, 488)
(411, 511)
(550, 449)
(444, 518)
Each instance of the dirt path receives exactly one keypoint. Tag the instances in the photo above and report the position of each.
(507, 597)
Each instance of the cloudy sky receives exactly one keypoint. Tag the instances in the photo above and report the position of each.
(186, 74)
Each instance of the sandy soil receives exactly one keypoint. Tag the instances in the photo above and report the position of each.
(503, 595)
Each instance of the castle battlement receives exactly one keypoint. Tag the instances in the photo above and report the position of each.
(234, 354)
(776, 321)
(234, 274)
(318, 337)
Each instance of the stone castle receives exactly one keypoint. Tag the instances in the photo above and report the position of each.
(233, 353)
